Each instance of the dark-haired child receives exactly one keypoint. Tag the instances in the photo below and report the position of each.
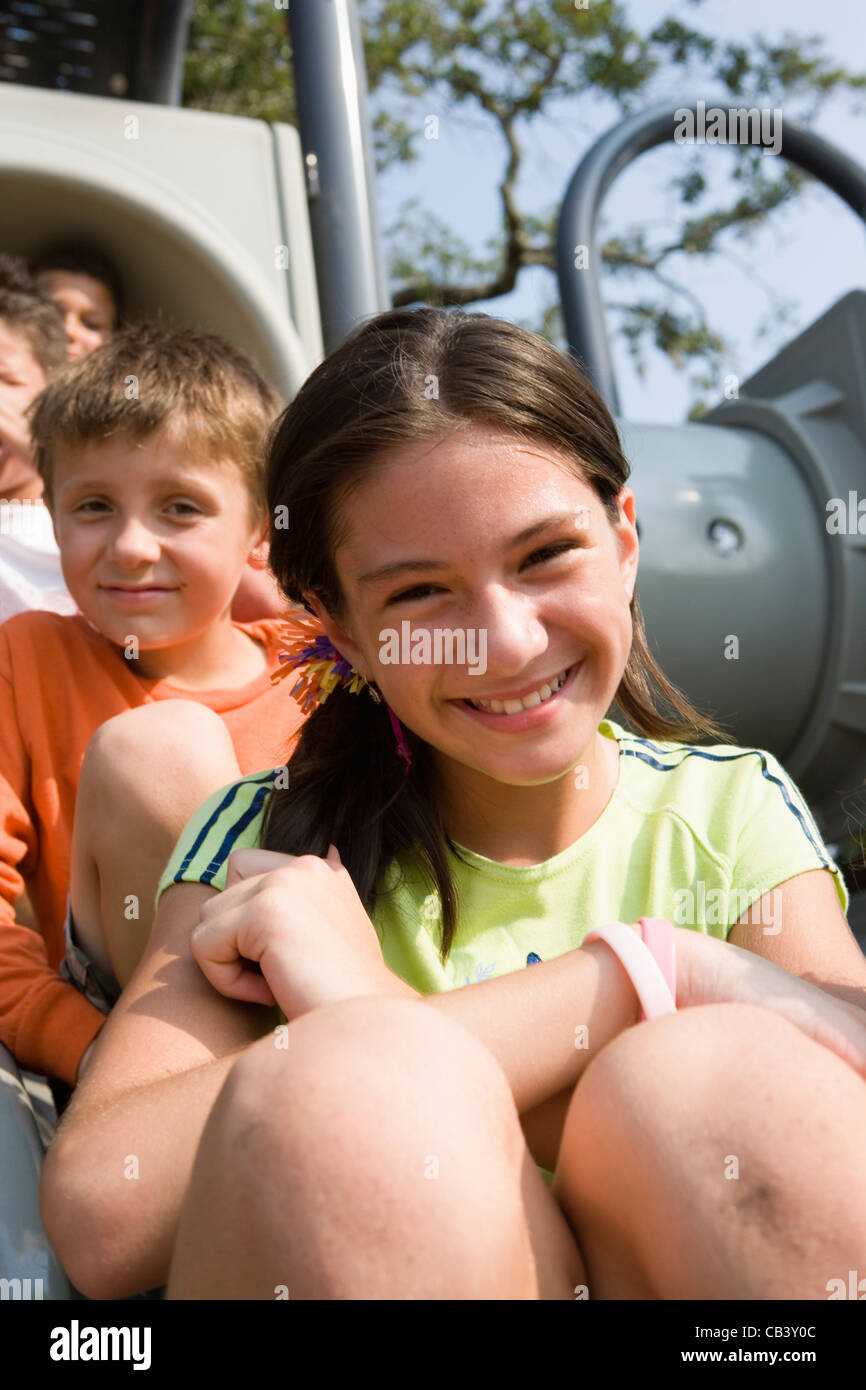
(87, 290)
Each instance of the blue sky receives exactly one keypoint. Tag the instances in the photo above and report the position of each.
(809, 255)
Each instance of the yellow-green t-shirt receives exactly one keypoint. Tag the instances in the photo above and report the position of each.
(693, 833)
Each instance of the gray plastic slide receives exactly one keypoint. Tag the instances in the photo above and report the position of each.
(29, 1268)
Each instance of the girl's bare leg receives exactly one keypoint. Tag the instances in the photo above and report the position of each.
(145, 772)
(718, 1153)
(379, 1156)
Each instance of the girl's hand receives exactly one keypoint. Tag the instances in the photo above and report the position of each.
(290, 930)
(710, 971)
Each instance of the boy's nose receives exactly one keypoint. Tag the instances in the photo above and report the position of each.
(133, 543)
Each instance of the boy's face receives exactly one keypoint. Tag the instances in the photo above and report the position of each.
(88, 309)
(152, 540)
(21, 378)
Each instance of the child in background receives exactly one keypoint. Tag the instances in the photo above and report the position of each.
(445, 823)
(32, 350)
(157, 503)
(87, 290)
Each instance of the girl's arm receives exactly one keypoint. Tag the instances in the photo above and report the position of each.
(545, 1023)
(800, 926)
(116, 1175)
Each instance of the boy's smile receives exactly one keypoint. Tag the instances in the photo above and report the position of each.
(153, 541)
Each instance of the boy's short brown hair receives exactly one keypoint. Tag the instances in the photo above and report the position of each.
(30, 314)
(149, 375)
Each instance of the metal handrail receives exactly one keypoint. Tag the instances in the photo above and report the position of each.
(580, 290)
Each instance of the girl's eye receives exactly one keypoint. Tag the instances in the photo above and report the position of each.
(187, 508)
(548, 552)
(93, 503)
(418, 591)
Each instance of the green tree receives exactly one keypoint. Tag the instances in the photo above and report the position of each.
(511, 63)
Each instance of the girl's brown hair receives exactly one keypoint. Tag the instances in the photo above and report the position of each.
(403, 376)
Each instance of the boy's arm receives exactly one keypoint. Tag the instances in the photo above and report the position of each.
(44, 1021)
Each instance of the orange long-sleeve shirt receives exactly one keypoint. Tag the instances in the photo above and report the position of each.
(59, 680)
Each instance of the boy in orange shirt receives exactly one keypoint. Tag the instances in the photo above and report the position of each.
(151, 453)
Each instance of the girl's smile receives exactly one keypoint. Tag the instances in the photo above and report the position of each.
(514, 713)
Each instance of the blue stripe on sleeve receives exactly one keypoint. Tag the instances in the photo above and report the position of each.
(806, 822)
(212, 820)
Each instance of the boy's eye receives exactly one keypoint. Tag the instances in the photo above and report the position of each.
(96, 504)
(547, 552)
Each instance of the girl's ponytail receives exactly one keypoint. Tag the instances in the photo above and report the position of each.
(348, 787)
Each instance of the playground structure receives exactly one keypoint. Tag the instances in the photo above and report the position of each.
(750, 519)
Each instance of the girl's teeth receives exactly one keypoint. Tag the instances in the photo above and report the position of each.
(537, 697)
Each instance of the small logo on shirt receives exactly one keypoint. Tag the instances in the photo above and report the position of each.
(533, 959)
(482, 972)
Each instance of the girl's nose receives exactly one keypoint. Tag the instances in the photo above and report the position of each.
(515, 632)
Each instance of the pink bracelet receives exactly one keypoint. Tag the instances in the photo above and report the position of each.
(650, 962)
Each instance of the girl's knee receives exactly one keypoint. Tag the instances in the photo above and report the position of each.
(361, 1074)
(669, 1090)
(683, 1057)
(716, 1098)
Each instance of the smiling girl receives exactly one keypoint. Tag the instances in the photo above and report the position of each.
(526, 1135)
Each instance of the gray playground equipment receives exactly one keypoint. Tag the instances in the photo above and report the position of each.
(750, 519)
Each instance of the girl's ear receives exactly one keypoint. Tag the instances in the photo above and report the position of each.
(629, 545)
(337, 635)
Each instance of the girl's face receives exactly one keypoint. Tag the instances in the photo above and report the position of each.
(499, 547)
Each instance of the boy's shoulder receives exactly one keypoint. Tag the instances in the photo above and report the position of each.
(274, 632)
(39, 632)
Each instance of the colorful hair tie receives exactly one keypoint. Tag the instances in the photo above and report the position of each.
(309, 646)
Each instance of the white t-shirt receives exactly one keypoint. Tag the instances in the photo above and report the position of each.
(30, 573)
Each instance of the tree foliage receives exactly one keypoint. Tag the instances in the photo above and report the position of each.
(511, 64)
